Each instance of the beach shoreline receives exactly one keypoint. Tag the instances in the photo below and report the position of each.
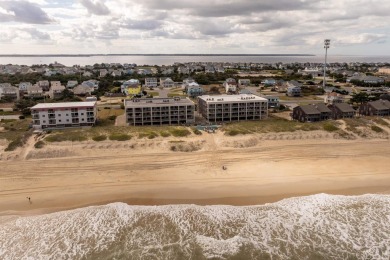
(266, 172)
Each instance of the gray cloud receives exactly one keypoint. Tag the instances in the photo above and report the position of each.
(218, 8)
(24, 12)
(146, 25)
(36, 34)
(97, 8)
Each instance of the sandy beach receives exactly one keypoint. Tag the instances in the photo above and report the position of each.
(260, 169)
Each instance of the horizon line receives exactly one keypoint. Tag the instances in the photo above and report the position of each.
(146, 54)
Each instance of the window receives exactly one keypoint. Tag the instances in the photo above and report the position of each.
(59, 115)
(82, 119)
(59, 120)
(44, 121)
(82, 114)
(67, 120)
(43, 115)
(67, 114)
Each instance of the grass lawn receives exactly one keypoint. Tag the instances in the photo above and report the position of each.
(106, 113)
(153, 93)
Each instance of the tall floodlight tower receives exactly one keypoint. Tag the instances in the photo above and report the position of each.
(326, 47)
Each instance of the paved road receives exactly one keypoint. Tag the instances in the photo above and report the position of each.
(10, 117)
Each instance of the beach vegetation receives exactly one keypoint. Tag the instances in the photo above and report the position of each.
(330, 127)
(18, 142)
(165, 133)
(39, 144)
(149, 135)
(119, 137)
(63, 136)
(376, 129)
(99, 138)
(196, 131)
(180, 132)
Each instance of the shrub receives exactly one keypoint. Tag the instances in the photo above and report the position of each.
(165, 134)
(119, 137)
(112, 118)
(13, 145)
(21, 117)
(376, 129)
(39, 144)
(99, 138)
(180, 132)
(66, 136)
(196, 131)
(330, 127)
(107, 108)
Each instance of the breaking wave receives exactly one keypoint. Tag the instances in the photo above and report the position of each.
(314, 227)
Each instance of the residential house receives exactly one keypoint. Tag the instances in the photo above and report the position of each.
(102, 73)
(209, 69)
(23, 86)
(56, 91)
(116, 73)
(244, 82)
(193, 89)
(63, 115)
(219, 69)
(366, 79)
(34, 91)
(183, 70)
(91, 83)
(269, 82)
(326, 113)
(273, 101)
(333, 98)
(384, 70)
(71, 84)
(44, 84)
(131, 87)
(342, 110)
(375, 108)
(166, 82)
(151, 82)
(55, 83)
(230, 85)
(83, 90)
(307, 113)
(8, 92)
(293, 88)
(87, 74)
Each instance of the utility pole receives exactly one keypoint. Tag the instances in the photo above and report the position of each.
(326, 47)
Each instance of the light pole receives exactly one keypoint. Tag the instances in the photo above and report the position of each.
(326, 47)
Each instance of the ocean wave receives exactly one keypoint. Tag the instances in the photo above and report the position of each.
(314, 227)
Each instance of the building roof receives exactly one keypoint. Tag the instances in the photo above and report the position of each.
(157, 102)
(380, 104)
(310, 110)
(231, 98)
(322, 108)
(344, 107)
(64, 105)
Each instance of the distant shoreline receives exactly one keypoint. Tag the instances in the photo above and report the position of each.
(189, 55)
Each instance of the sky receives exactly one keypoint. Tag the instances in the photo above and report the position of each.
(355, 27)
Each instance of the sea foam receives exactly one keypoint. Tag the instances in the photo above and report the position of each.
(320, 226)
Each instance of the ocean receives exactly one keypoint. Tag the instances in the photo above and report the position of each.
(320, 226)
(170, 60)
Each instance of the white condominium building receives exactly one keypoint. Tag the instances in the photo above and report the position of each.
(232, 107)
(63, 115)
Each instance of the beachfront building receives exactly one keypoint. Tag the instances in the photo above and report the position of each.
(232, 107)
(311, 113)
(333, 98)
(63, 115)
(151, 82)
(159, 111)
(375, 108)
(342, 110)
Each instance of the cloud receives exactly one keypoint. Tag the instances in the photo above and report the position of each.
(23, 12)
(36, 34)
(223, 8)
(147, 25)
(97, 8)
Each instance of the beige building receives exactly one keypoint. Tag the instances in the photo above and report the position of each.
(159, 111)
(384, 70)
(233, 107)
(63, 115)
